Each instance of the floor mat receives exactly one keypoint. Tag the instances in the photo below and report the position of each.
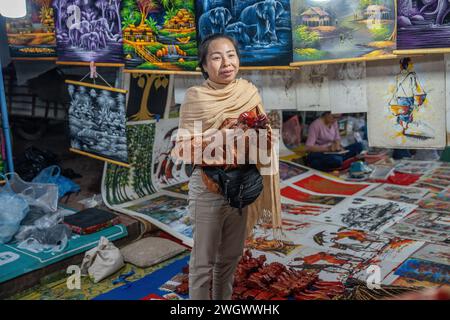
(15, 262)
(147, 285)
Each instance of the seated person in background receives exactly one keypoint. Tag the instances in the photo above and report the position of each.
(323, 137)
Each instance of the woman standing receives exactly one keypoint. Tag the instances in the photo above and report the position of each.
(219, 230)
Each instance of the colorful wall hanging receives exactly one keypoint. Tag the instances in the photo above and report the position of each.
(261, 28)
(159, 35)
(88, 30)
(422, 24)
(33, 36)
(148, 96)
(342, 29)
(97, 120)
(406, 102)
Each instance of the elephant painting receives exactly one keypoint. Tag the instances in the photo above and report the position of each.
(264, 15)
(213, 21)
(239, 31)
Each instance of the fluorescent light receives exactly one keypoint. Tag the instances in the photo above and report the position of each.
(13, 8)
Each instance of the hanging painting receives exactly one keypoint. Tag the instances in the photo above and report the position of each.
(261, 28)
(342, 29)
(32, 36)
(422, 24)
(313, 93)
(159, 35)
(406, 102)
(148, 96)
(369, 214)
(88, 30)
(97, 120)
(121, 184)
(348, 87)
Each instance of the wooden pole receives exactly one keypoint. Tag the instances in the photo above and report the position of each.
(335, 61)
(90, 155)
(96, 86)
(422, 51)
(185, 73)
(87, 64)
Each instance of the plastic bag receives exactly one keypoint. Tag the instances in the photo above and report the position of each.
(44, 195)
(13, 209)
(102, 261)
(52, 174)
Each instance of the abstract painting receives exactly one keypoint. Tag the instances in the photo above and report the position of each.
(148, 96)
(406, 102)
(299, 211)
(363, 213)
(342, 29)
(301, 196)
(348, 87)
(435, 204)
(398, 193)
(170, 213)
(88, 30)
(97, 120)
(165, 172)
(121, 184)
(326, 185)
(261, 28)
(159, 35)
(33, 36)
(422, 24)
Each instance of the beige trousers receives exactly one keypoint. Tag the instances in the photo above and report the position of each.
(219, 236)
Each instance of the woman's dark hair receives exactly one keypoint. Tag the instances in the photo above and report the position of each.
(204, 46)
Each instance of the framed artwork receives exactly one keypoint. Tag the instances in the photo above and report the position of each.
(261, 28)
(406, 102)
(148, 96)
(342, 29)
(88, 31)
(97, 120)
(422, 25)
(159, 35)
(33, 36)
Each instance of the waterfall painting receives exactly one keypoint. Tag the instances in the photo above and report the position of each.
(159, 35)
(261, 28)
(423, 24)
(97, 120)
(342, 29)
(32, 36)
(88, 30)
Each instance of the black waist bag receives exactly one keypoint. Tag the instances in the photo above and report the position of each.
(240, 186)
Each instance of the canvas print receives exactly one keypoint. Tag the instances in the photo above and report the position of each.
(348, 87)
(121, 184)
(398, 193)
(313, 93)
(88, 30)
(301, 196)
(299, 211)
(410, 231)
(290, 170)
(182, 188)
(416, 167)
(165, 170)
(159, 35)
(422, 24)
(406, 103)
(167, 210)
(148, 96)
(363, 213)
(97, 120)
(342, 29)
(261, 28)
(435, 204)
(431, 188)
(33, 36)
(434, 252)
(324, 185)
(424, 270)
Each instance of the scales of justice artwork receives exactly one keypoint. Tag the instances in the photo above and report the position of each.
(422, 24)
(32, 36)
(159, 35)
(406, 102)
(88, 30)
(261, 28)
(97, 120)
(342, 29)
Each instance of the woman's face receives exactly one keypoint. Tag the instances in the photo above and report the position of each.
(222, 62)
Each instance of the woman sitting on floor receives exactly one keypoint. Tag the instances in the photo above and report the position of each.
(323, 145)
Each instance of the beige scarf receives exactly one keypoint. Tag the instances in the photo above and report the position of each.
(213, 103)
